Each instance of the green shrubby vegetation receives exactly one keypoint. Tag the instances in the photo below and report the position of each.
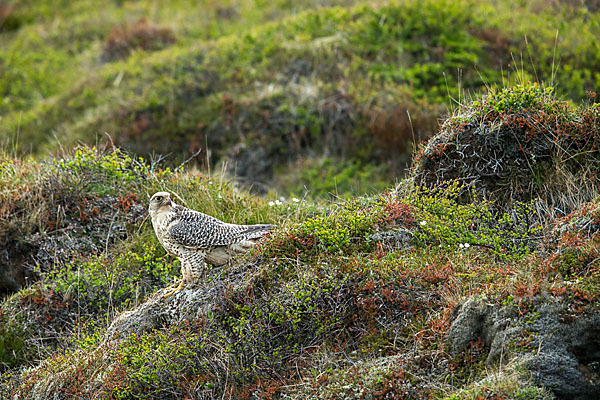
(444, 221)
(343, 229)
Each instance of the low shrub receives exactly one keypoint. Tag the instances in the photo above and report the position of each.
(344, 230)
(143, 35)
(442, 219)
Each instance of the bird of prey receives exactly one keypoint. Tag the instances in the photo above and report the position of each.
(196, 238)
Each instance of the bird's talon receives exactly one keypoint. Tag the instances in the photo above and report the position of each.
(172, 291)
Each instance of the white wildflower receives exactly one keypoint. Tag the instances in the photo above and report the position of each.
(423, 223)
(295, 200)
(271, 203)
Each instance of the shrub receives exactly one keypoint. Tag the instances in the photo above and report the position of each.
(151, 362)
(344, 230)
(441, 219)
(104, 284)
(144, 35)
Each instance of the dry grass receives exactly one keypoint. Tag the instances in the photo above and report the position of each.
(141, 35)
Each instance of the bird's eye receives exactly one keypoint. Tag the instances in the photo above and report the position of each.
(159, 198)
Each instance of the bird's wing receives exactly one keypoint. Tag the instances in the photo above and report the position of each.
(198, 230)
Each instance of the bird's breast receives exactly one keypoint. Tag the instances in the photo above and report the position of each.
(160, 220)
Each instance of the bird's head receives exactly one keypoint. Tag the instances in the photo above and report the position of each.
(159, 202)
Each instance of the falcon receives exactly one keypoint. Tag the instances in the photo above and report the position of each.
(197, 239)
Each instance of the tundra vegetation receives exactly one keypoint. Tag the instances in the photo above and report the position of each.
(474, 276)
(334, 303)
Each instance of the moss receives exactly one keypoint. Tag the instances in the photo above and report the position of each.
(515, 99)
(12, 337)
(319, 310)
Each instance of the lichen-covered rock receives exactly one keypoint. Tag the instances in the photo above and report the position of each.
(396, 239)
(563, 356)
(568, 354)
(185, 305)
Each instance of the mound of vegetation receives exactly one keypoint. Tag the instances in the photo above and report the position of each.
(75, 236)
(356, 82)
(517, 145)
(142, 35)
(59, 209)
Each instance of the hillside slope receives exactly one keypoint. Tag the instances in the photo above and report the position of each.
(436, 290)
(328, 87)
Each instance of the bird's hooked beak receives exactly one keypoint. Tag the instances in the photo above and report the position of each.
(167, 202)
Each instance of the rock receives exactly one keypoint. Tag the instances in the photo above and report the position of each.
(475, 320)
(158, 311)
(188, 304)
(561, 356)
(468, 326)
(397, 239)
(565, 353)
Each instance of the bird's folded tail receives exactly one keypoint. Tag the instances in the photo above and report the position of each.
(255, 231)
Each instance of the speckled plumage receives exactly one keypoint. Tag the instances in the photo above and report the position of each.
(196, 238)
